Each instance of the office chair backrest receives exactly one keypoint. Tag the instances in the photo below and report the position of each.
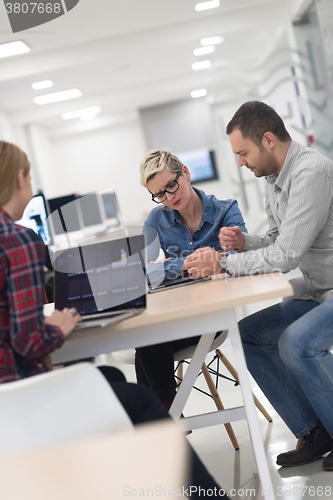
(57, 407)
(299, 286)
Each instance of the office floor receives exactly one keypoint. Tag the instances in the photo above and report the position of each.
(236, 470)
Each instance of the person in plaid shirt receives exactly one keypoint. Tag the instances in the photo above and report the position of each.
(26, 337)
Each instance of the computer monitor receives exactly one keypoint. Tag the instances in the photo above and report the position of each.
(65, 221)
(111, 210)
(201, 163)
(56, 203)
(64, 214)
(91, 211)
(35, 217)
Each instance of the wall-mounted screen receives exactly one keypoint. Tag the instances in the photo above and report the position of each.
(201, 163)
(35, 217)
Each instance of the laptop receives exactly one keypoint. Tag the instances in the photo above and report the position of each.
(176, 283)
(104, 281)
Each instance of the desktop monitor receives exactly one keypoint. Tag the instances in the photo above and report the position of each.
(56, 203)
(90, 210)
(111, 211)
(201, 163)
(35, 217)
(64, 214)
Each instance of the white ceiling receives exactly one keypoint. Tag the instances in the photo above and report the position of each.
(128, 54)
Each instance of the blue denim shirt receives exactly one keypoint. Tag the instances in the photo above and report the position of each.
(175, 238)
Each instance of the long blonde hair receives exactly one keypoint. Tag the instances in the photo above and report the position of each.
(12, 160)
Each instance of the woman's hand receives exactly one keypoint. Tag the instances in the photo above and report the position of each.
(204, 261)
(65, 320)
(156, 262)
(46, 363)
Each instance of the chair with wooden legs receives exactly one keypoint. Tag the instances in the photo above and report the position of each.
(207, 372)
(128, 357)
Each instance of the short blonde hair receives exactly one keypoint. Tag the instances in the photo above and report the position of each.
(12, 160)
(156, 161)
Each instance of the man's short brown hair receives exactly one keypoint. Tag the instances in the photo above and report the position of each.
(254, 118)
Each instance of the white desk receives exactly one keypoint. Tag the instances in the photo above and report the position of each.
(200, 309)
(109, 467)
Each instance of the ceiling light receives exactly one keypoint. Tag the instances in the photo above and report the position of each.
(57, 96)
(204, 50)
(198, 93)
(212, 40)
(42, 85)
(87, 116)
(78, 113)
(201, 65)
(13, 48)
(207, 5)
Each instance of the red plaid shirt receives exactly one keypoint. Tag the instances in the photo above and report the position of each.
(24, 337)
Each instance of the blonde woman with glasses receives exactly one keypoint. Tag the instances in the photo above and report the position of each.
(185, 220)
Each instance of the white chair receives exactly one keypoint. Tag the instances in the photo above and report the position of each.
(128, 357)
(64, 405)
(299, 286)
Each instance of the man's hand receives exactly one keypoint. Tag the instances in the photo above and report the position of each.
(231, 238)
(203, 262)
(65, 320)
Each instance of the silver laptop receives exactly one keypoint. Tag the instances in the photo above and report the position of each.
(176, 283)
(105, 281)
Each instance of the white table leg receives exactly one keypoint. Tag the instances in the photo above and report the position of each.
(191, 374)
(257, 443)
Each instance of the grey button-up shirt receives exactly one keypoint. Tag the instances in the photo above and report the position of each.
(299, 208)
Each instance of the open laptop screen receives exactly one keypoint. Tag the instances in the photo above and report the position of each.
(103, 276)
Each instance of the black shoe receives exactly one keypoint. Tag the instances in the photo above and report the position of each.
(316, 443)
(328, 461)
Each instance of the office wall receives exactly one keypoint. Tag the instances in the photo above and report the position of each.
(6, 129)
(183, 126)
(104, 159)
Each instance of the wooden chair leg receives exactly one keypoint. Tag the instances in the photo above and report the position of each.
(180, 373)
(219, 404)
(234, 373)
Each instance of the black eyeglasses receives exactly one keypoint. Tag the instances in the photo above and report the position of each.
(171, 189)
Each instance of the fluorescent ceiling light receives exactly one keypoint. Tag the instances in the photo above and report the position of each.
(87, 116)
(57, 96)
(212, 40)
(78, 113)
(207, 5)
(204, 50)
(198, 93)
(13, 48)
(201, 65)
(42, 85)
